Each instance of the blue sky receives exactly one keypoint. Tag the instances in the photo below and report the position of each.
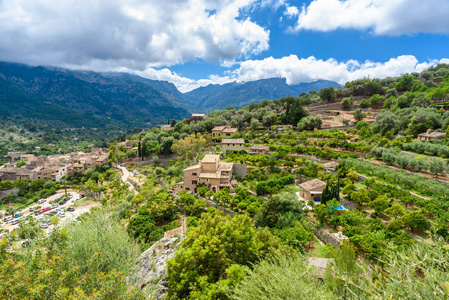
(193, 43)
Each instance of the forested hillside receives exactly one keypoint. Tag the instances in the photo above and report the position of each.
(78, 98)
(211, 97)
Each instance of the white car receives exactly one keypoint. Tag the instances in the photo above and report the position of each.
(61, 214)
(55, 205)
(44, 225)
(41, 201)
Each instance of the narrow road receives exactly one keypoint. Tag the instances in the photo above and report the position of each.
(125, 177)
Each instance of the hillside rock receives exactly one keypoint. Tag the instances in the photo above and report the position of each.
(151, 267)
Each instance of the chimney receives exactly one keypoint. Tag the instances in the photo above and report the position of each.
(429, 130)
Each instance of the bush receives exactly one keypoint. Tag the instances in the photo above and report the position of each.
(100, 235)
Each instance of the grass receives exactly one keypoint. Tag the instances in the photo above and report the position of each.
(83, 201)
(318, 250)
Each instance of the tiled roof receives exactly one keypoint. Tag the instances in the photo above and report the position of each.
(314, 184)
(219, 128)
(230, 130)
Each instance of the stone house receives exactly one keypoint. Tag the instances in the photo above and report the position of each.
(23, 173)
(330, 166)
(8, 173)
(210, 172)
(128, 144)
(232, 144)
(224, 131)
(312, 190)
(195, 117)
(259, 149)
(102, 160)
(166, 127)
(430, 136)
(76, 169)
(16, 155)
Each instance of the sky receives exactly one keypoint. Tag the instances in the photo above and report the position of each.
(193, 43)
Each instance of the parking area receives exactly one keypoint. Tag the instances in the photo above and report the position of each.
(52, 207)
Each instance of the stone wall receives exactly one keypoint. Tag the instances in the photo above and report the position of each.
(225, 210)
(347, 204)
(326, 237)
(135, 184)
(240, 169)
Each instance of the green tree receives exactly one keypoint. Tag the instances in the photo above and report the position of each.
(20, 163)
(359, 115)
(327, 94)
(192, 146)
(415, 220)
(436, 166)
(379, 204)
(346, 103)
(255, 124)
(217, 243)
(395, 211)
(310, 123)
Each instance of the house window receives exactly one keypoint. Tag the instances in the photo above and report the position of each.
(194, 182)
(194, 174)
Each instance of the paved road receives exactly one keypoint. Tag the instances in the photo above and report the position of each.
(125, 177)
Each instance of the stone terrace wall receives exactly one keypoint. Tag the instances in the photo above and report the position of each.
(326, 237)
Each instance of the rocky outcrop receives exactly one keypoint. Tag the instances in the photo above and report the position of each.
(6, 193)
(151, 266)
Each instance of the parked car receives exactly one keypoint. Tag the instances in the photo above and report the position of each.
(54, 205)
(17, 214)
(41, 201)
(32, 208)
(14, 222)
(71, 208)
(44, 210)
(44, 225)
(61, 214)
(63, 202)
(6, 219)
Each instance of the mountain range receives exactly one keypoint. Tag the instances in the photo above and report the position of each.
(92, 99)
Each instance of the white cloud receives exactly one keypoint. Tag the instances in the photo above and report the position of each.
(296, 70)
(183, 84)
(134, 34)
(383, 17)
